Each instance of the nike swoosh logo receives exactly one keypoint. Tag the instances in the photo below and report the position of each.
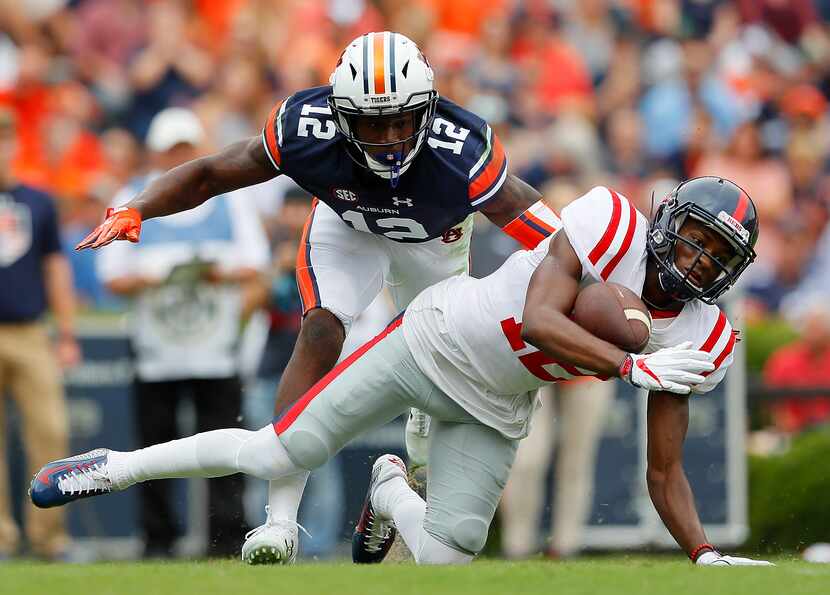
(642, 365)
(44, 477)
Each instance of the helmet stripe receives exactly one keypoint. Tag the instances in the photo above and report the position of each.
(366, 64)
(380, 75)
(740, 208)
(392, 85)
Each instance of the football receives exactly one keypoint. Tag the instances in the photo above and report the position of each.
(615, 314)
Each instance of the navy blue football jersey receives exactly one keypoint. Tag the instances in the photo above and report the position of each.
(460, 167)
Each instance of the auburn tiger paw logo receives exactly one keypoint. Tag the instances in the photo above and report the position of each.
(452, 235)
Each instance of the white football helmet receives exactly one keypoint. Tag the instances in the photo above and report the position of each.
(379, 75)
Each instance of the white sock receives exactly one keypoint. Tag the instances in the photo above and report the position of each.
(394, 499)
(284, 495)
(209, 454)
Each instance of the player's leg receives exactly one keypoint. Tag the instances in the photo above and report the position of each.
(210, 454)
(469, 465)
(339, 273)
(582, 407)
(413, 268)
(370, 387)
(373, 386)
(524, 495)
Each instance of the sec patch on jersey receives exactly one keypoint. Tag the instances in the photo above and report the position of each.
(615, 314)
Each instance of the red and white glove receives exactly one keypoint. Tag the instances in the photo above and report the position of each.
(120, 224)
(714, 558)
(674, 369)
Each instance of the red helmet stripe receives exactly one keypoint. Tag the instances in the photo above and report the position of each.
(740, 209)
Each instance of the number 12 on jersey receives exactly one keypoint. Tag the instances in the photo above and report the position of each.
(447, 128)
(402, 228)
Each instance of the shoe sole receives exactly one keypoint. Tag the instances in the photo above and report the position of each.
(266, 554)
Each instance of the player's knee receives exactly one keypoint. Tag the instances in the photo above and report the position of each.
(306, 449)
(466, 534)
(470, 535)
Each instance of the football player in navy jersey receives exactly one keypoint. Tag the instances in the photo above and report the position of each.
(397, 173)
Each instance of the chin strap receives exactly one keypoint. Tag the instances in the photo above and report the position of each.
(395, 175)
(533, 225)
(384, 159)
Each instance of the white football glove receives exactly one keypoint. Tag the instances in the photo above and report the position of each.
(712, 558)
(674, 369)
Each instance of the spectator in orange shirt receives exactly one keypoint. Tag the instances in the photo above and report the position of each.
(805, 363)
(557, 77)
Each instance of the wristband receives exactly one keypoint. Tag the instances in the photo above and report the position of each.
(625, 367)
(533, 225)
(703, 547)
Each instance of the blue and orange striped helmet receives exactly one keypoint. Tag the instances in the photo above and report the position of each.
(383, 74)
(721, 206)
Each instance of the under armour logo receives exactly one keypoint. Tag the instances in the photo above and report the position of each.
(401, 202)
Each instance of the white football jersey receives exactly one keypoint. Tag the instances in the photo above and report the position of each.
(465, 333)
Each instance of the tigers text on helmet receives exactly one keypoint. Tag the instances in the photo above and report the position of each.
(722, 207)
(379, 76)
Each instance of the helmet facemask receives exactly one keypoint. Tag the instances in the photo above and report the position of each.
(385, 159)
(663, 240)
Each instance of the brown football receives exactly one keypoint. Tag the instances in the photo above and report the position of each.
(615, 314)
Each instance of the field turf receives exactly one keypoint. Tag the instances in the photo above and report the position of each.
(618, 575)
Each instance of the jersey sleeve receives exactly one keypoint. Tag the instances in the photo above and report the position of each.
(272, 134)
(470, 149)
(489, 166)
(608, 235)
(715, 335)
(299, 131)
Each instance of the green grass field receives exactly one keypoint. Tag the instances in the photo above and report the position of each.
(618, 575)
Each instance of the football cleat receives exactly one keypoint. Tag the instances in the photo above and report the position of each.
(82, 476)
(375, 533)
(274, 542)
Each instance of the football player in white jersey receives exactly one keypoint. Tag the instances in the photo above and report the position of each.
(472, 353)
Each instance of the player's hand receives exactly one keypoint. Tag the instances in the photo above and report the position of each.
(712, 558)
(674, 369)
(120, 224)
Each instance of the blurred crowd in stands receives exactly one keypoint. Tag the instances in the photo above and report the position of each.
(633, 94)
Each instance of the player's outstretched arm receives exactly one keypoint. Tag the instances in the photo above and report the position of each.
(668, 421)
(185, 187)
